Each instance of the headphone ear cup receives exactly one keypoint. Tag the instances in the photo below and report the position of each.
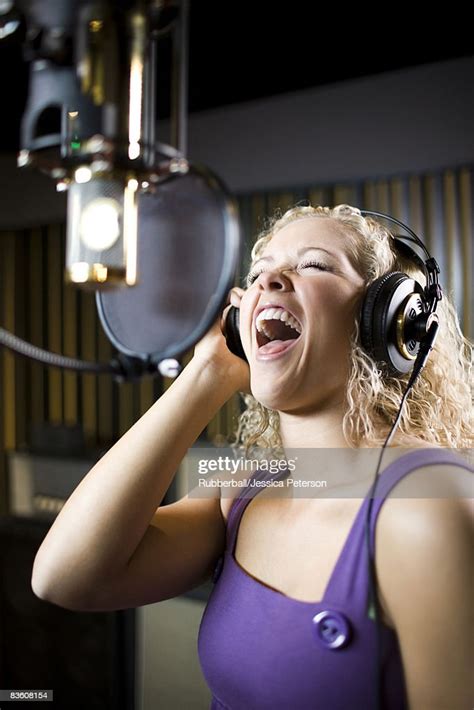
(232, 333)
(380, 336)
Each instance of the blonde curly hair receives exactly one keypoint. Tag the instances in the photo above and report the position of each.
(438, 409)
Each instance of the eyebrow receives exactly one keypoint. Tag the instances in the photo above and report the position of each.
(300, 252)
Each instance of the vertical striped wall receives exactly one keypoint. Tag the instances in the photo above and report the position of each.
(39, 307)
(438, 207)
(36, 305)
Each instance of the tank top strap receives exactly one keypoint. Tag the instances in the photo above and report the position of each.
(241, 501)
(400, 468)
(349, 580)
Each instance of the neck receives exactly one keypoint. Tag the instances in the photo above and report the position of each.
(320, 429)
(316, 443)
(328, 455)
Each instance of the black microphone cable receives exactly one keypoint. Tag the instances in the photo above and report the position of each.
(426, 346)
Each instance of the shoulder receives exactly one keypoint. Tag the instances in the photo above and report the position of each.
(424, 565)
(446, 473)
(427, 512)
(412, 527)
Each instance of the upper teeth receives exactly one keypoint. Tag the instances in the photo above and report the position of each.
(276, 314)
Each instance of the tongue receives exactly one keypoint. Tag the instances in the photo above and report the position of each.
(275, 346)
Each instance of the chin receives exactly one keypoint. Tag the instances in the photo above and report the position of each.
(299, 404)
(274, 398)
(267, 397)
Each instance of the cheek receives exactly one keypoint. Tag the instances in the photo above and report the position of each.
(245, 320)
(338, 309)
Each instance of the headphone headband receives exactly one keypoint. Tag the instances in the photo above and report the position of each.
(432, 290)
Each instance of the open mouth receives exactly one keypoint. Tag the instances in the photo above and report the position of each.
(276, 327)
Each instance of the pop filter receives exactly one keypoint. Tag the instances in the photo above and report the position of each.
(188, 254)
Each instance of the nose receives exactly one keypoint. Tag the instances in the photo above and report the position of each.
(274, 280)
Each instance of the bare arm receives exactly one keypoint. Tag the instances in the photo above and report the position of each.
(426, 579)
(88, 551)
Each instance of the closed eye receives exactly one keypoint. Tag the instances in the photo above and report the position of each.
(315, 265)
(253, 275)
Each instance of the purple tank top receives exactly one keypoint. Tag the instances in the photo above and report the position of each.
(262, 650)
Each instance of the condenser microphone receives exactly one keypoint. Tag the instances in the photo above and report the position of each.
(90, 120)
(103, 188)
(156, 237)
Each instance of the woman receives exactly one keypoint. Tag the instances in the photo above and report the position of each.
(287, 623)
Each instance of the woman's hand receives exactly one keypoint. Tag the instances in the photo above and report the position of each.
(212, 349)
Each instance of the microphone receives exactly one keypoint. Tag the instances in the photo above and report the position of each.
(83, 126)
(154, 236)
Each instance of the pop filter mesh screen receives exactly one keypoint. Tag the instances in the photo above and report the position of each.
(188, 250)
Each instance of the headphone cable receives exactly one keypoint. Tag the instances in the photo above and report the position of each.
(426, 346)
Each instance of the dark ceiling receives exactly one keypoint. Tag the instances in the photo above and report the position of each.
(245, 52)
(275, 47)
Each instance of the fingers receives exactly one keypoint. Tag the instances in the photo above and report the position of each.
(223, 317)
(233, 299)
(236, 294)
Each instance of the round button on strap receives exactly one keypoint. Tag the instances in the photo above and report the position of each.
(332, 629)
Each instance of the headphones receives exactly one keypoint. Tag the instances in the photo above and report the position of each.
(396, 313)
